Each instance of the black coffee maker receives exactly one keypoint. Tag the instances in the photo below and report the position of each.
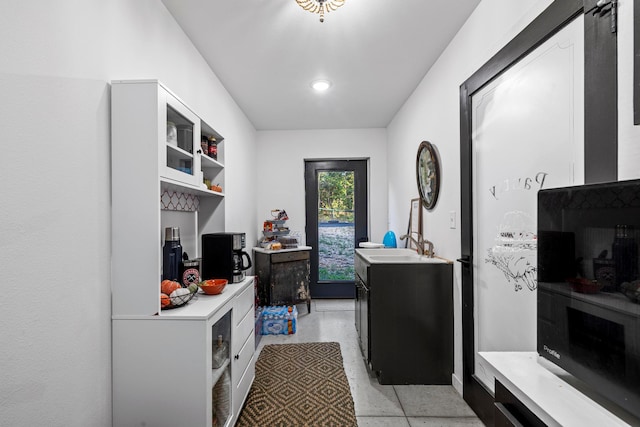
(223, 256)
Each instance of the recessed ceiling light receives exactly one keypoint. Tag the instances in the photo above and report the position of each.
(321, 85)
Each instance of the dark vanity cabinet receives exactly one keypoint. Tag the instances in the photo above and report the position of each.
(362, 315)
(404, 318)
(283, 276)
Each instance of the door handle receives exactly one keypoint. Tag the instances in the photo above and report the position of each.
(465, 261)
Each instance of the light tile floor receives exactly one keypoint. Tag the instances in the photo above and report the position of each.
(376, 405)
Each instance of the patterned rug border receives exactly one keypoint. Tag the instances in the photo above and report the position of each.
(299, 384)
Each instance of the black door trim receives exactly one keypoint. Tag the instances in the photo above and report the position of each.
(600, 98)
(599, 78)
(343, 289)
(636, 62)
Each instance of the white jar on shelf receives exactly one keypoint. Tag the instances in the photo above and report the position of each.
(172, 134)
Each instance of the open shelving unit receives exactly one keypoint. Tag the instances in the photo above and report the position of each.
(162, 359)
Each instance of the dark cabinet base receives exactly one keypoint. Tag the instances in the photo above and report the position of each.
(410, 322)
(283, 277)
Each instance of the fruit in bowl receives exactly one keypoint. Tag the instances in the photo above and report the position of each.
(173, 295)
(168, 286)
(213, 286)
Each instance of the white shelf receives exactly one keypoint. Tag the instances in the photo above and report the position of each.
(217, 373)
(546, 390)
(179, 152)
(208, 162)
(169, 184)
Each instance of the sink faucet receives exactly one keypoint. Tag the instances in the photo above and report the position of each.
(421, 242)
(429, 250)
(418, 242)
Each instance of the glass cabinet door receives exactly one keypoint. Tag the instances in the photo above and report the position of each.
(221, 371)
(178, 160)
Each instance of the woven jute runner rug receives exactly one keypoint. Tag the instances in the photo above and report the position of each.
(299, 385)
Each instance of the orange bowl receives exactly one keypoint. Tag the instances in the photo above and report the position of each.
(213, 286)
(585, 286)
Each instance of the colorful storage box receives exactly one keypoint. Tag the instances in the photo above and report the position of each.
(279, 320)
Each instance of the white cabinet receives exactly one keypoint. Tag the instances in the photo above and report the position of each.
(183, 160)
(156, 184)
(178, 160)
(164, 372)
(243, 347)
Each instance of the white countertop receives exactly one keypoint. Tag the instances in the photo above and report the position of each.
(543, 388)
(202, 306)
(397, 256)
(270, 251)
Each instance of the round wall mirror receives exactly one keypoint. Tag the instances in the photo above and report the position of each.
(428, 174)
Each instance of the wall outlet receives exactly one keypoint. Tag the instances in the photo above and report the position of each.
(452, 219)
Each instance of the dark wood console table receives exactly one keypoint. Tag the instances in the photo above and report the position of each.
(283, 276)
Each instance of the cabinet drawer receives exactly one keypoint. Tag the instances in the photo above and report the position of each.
(289, 256)
(245, 381)
(242, 387)
(509, 411)
(242, 358)
(247, 326)
(244, 304)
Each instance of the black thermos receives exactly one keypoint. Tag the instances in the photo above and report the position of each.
(171, 254)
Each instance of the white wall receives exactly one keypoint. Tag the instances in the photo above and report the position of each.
(433, 113)
(57, 61)
(280, 159)
(628, 134)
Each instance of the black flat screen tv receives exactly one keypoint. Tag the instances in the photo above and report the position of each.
(588, 302)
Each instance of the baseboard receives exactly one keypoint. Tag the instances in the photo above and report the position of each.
(456, 383)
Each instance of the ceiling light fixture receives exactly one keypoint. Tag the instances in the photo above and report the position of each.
(321, 85)
(320, 6)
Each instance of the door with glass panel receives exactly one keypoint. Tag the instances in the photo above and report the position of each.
(537, 115)
(336, 221)
(527, 135)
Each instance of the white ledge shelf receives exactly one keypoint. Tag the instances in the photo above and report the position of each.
(550, 392)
